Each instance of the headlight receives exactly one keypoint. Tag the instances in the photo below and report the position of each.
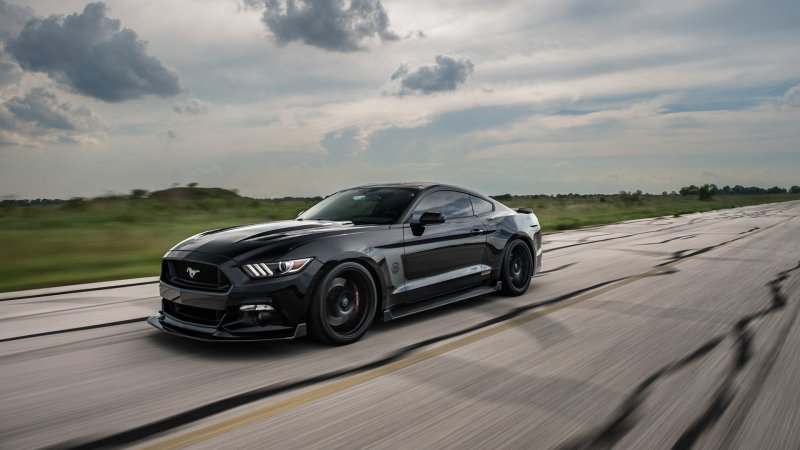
(274, 269)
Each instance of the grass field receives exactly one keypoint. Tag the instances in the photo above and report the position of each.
(120, 237)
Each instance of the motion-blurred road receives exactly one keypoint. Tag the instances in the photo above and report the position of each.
(644, 334)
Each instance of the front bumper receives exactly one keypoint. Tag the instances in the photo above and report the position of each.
(215, 315)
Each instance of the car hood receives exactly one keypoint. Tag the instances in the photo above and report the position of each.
(272, 238)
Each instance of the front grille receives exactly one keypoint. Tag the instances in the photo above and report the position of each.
(196, 272)
(192, 314)
(194, 275)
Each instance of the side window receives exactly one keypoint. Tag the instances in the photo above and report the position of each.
(481, 206)
(450, 203)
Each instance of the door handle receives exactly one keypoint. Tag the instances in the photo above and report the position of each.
(477, 231)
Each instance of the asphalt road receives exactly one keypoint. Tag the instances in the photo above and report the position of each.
(670, 332)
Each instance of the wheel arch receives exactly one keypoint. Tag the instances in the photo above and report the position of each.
(528, 241)
(509, 285)
(365, 262)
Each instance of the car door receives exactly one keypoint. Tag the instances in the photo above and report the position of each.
(443, 257)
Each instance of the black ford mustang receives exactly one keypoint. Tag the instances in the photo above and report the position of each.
(389, 249)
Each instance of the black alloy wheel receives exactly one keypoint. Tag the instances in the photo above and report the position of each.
(517, 268)
(344, 304)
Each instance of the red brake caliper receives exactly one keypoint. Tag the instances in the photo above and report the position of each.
(358, 297)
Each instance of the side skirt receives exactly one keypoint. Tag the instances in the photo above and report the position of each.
(407, 310)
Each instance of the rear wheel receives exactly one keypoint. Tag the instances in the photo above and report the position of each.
(517, 268)
(344, 304)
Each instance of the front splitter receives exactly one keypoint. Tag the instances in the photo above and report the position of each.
(213, 334)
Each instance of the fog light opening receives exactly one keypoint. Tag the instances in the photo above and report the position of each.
(258, 315)
(263, 317)
(256, 308)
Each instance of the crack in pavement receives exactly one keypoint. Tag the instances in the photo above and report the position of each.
(624, 420)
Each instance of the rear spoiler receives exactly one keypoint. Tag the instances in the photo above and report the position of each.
(524, 210)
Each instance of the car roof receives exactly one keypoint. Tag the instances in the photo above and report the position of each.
(407, 184)
(422, 186)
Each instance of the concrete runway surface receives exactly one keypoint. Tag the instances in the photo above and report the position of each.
(667, 332)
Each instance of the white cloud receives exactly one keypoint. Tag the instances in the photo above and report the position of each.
(327, 24)
(447, 74)
(93, 55)
(40, 118)
(192, 106)
(791, 99)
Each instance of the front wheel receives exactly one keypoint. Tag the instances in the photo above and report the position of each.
(344, 304)
(517, 268)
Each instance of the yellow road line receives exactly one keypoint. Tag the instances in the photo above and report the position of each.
(193, 436)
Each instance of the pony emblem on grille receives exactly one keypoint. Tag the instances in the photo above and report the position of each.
(192, 272)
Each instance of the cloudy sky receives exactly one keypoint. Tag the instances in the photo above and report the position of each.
(277, 97)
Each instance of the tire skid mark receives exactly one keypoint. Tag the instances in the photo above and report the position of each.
(70, 330)
(691, 222)
(725, 393)
(690, 253)
(613, 238)
(679, 238)
(586, 238)
(77, 291)
(556, 269)
(754, 389)
(49, 349)
(625, 419)
(67, 310)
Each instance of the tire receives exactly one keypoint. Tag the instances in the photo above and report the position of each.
(343, 305)
(517, 268)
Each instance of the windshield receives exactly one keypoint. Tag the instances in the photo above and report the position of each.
(378, 205)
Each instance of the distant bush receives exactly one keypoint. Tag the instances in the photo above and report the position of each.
(707, 191)
(753, 190)
(75, 204)
(689, 190)
(630, 197)
(503, 197)
(32, 202)
(138, 193)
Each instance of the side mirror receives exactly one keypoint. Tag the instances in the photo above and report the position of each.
(430, 218)
(524, 210)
